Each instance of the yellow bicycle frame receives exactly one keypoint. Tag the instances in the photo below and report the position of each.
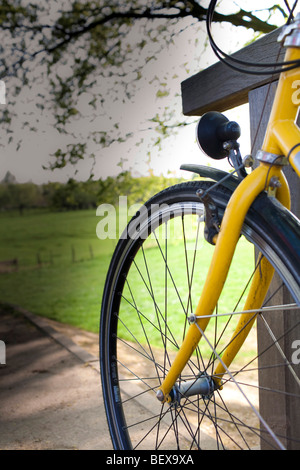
(282, 136)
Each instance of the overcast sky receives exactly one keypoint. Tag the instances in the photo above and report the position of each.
(26, 163)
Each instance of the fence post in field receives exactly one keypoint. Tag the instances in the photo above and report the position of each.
(73, 254)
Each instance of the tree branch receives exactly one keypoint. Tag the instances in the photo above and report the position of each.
(241, 18)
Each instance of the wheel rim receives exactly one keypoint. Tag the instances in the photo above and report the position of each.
(142, 357)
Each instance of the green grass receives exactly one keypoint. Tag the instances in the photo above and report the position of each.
(156, 300)
(62, 265)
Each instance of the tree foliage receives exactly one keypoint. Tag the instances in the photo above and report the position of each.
(79, 195)
(87, 48)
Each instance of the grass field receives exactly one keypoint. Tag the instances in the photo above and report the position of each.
(152, 292)
(61, 264)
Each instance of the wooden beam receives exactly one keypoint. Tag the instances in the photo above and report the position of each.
(220, 88)
(278, 409)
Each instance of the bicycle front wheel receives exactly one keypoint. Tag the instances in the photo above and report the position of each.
(153, 285)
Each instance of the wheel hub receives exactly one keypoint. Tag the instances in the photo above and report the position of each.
(203, 386)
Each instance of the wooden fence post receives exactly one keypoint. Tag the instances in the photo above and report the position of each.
(279, 408)
(219, 88)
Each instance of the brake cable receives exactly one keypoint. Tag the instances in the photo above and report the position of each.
(227, 59)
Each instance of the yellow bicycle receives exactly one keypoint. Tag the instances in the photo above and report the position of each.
(189, 283)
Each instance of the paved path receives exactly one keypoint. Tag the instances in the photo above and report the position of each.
(50, 390)
(50, 393)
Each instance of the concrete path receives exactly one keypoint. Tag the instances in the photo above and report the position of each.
(50, 392)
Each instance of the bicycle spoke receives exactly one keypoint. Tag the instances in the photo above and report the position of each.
(156, 290)
(267, 427)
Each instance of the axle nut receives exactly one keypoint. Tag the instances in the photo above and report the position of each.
(160, 395)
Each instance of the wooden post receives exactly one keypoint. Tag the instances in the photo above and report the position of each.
(219, 88)
(277, 408)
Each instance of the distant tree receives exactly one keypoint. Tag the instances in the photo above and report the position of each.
(9, 178)
(73, 195)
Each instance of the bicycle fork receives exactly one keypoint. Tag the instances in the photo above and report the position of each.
(237, 208)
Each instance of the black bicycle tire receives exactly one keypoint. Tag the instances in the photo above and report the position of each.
(261, 224)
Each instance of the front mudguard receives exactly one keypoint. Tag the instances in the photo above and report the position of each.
(228, 181)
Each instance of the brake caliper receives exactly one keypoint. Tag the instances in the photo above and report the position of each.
(212, 221)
